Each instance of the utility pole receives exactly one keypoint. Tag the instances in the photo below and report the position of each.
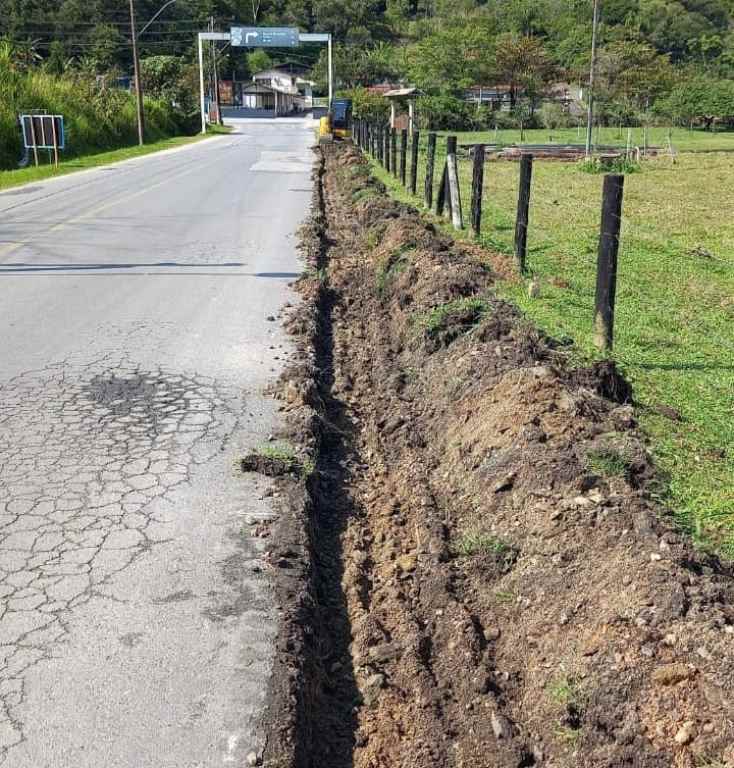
(331, 72)
(202, 97)
(215, 75)
(592, 68)
(138, 83)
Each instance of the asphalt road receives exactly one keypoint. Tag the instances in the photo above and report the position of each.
(136, 625)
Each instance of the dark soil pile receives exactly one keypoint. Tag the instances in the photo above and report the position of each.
(489, 583)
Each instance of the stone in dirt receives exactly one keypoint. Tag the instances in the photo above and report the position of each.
(685, 733)
(671, 674)
(501, 726)
(371, 689)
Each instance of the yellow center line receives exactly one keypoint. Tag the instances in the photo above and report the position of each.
(8, 248)
(118, 201)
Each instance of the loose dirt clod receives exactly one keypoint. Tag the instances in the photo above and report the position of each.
(486, 580)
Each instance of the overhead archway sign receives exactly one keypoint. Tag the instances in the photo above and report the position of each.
(265, 37)
(261, 37)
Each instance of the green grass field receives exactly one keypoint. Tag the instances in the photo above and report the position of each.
(682, 139)
(26, 175)
(675, 305)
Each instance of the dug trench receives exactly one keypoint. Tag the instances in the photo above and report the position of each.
(473, 570)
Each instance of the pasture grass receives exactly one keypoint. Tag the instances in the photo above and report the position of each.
(682, 139)
(674, 335)
(31, 174)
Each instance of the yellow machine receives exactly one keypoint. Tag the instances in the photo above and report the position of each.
(325, 133)
(338, 123)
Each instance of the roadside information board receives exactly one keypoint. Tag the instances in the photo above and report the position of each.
(43, 131)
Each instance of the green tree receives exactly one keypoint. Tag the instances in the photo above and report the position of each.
(107, 44)
(700, 100)
(523, 63)
(675, 26)
(451, 59)
(57, 61)
(631, 76)
(369, 106)
(259, 60)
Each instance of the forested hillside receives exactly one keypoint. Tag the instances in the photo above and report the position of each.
(689, 31)
(664, 60)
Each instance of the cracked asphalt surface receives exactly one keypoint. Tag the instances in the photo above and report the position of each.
(136, 622)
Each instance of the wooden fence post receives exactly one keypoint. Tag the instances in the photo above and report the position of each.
(454, 190)
(444, 198)
(394, 152)
(414, 146)
(477, 189)
(430, 165)
(403, 154)
(606, 268)
(523, 211)
(386, 148)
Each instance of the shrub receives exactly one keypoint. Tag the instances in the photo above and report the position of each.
(554, 116)
(445, 113)
(621, 164)
(96, 118)
(369, 106)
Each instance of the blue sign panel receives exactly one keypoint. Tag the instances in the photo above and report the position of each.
(265, 37)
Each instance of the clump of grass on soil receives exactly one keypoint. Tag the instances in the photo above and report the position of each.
(281, 452)
(563, 690)
(466, 312)
(277, 459)
(607, 462)
(477, 543)
(363, 194)
(391, 268)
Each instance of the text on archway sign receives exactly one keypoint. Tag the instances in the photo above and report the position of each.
(265, 37)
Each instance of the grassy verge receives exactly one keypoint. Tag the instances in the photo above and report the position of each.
(26, 175)
(683, 140)
(675, 305)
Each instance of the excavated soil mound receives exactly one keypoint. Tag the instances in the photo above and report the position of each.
(491, 583)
